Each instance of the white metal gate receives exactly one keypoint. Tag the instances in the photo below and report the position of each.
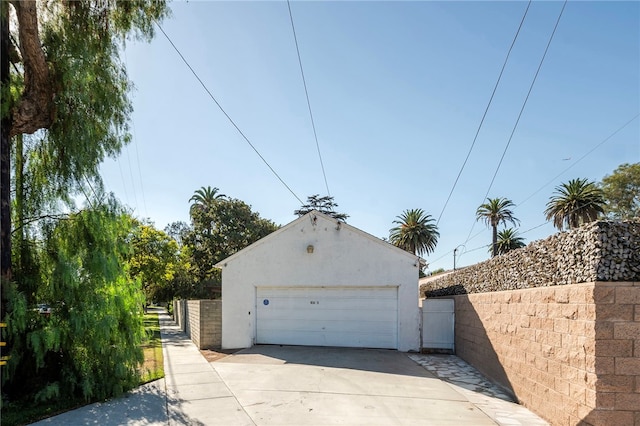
(438, 324)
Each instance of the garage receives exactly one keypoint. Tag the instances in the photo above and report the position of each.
(320, 282)
(319, 316)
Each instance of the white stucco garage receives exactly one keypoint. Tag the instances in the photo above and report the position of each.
(318, 282)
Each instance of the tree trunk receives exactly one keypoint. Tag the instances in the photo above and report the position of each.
(19, 178)
(494, 246)
(35, 109)
(5, 151)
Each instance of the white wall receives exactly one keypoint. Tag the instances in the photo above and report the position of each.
(345, 257)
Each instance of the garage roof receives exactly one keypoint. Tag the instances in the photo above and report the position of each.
(317, 216)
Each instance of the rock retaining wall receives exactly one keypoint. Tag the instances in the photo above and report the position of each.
(557, 323)
(599, 251)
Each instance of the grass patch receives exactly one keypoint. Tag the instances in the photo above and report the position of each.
(153, 366)
(25, 412)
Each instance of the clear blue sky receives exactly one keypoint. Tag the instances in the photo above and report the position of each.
(397, 90)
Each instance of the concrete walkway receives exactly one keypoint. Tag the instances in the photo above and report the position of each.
(272, 385)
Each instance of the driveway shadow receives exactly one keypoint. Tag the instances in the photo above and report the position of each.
(145, 405)
(375, 360)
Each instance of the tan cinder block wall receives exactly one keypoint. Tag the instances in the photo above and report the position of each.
(178, 313)
(617, 354)
(202, 322)
(569, 353)
(210, 323)
(193, 321)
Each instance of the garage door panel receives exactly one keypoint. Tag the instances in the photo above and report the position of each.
(329, 316)
(317, 301)
(357, 340)
(355, 292)
(321, 325)
(327, 304)
(383, 316)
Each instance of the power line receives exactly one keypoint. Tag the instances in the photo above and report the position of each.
(486, 110)
(225, 113)
(618, 130)
(579, 159)
(306, 92)
(524, 104)
(135, 143)
(133, 184)
(124, 186)
(465, 251)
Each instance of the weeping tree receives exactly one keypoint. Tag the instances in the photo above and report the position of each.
(89, 345)
(62, 80)
(65, 107)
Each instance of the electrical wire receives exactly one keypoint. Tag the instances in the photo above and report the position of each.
(133, 184)
(124, 186)
(225, 113)
(306, 93)
(524, 104)
(486, 110)
(578, 160)
(135, 144)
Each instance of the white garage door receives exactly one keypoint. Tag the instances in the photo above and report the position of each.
(365, 317)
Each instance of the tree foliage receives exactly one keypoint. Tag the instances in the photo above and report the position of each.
(65, 104)
(416, 232)
(69, 85)
(204, 198)
(89, 346)
(508, 239)
(324, 205)
(575, 203)
(494, 212)
(621, 190)
(154, 259)
(222, 229)
(177, 231)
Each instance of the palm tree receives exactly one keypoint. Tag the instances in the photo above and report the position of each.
(494, 212)
(204, 197)
(508, 239)
(416, 232)
(576, 202)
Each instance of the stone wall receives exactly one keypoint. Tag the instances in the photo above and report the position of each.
(599, 251)
(557, 324)
(617, 354)
(201, 320)
(569, 353)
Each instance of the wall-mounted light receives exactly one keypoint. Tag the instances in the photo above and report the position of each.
(338, 225)
(310, 248)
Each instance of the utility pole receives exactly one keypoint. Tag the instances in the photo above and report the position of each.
(454, 258)
(455, 250)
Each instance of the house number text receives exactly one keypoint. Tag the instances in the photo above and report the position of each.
(315, 302)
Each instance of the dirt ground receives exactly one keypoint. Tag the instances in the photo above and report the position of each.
(216, 354)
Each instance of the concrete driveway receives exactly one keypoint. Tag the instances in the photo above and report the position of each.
(293, 385)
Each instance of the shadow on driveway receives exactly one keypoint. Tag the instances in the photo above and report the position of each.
(374, 360)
